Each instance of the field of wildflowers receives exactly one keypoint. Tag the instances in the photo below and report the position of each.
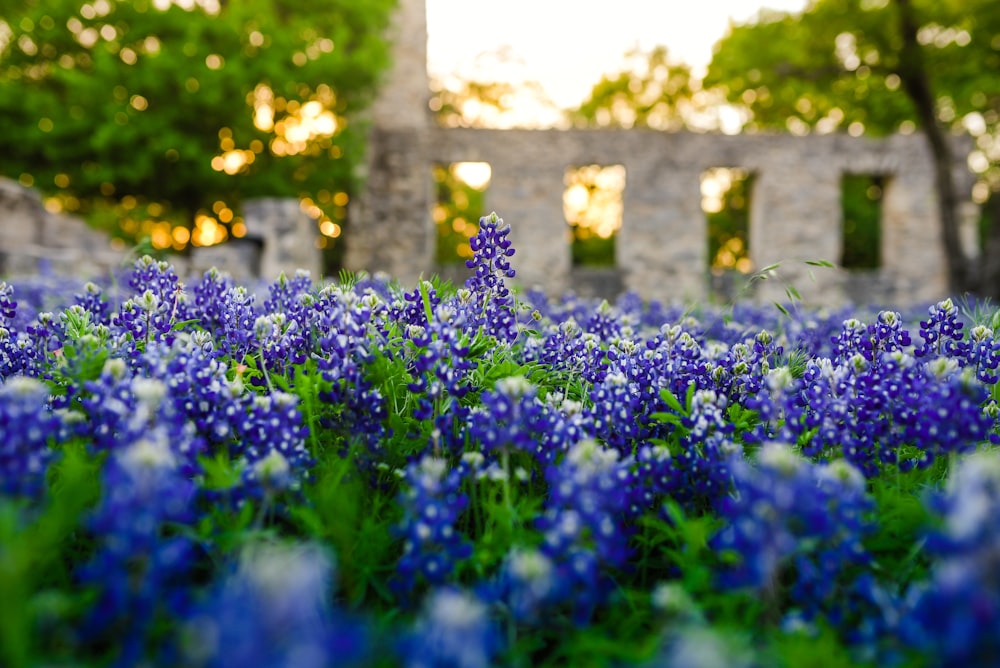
(360, 474)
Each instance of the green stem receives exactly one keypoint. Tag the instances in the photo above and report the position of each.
(507, 492)
(263, 368)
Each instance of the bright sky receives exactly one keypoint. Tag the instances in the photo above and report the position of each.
(567, 45)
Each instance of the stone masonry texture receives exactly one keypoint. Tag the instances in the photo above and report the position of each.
(662, 248)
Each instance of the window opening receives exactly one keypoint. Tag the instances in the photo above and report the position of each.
(593, 205)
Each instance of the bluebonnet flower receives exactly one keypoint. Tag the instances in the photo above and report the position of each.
(580, 525)
(527, 585)
(942, 332)
(346, 342)
(271, 441)
(235, 336)
(280, 341)
(984, 354)
(122, 409)
(142, 320)
(654, 477)
(742, 370)
(160, 278)
(290, 309)
(565, 348)
(493, 307)
(680, 360)
(886, 335)
(440, 360)
(207, 299)
(954, 618)
(512, 418)
(28, 431)
(8, 305)
(432, 502)
(138, 568)
(18, 355)
(952, 414)
(158, 301)
(701, 471)
(195, 375)
(625, 402)
(604, 323)
(795, 523)
(274, 610)
(291, 296)
(46, 335)
(616, 412)
(93, 300)
(413, 310)
(454, 630)
(872, 411)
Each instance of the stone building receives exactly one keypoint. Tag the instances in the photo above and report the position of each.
(281, 237)
(33, 239)
(662, 249)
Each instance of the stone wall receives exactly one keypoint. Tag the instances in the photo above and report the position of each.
(662, 246)
(281, 237)
(33, 239)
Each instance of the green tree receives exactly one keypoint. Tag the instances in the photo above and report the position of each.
(651, 90)
(879, 66)
(183, 107)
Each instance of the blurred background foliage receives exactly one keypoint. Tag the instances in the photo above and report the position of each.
(158, 118)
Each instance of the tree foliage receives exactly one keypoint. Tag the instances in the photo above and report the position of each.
(184, 104)
(840, 63)
(651, 90)
(879, 66)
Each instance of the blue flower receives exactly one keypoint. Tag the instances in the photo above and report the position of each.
(432, 501)
(796, 523)
(28, 431)
(454, 630)
(581, 529)
(138, 569)
(273, 610)
(954, 617)
(493, 307)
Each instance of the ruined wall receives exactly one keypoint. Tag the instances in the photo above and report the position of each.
(32, 238)
(662, 246)
(281, 237)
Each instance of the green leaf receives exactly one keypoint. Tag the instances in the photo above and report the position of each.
(220, 473)
(668, 398)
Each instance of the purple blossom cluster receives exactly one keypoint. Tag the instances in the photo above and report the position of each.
(795, 529)
(955, 614)
(514, 458)
(432, 543)
(878, 402)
